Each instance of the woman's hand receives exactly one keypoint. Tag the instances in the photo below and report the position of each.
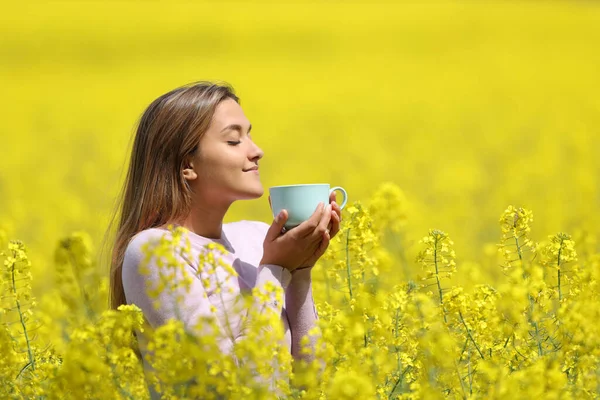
(336, 216)
(301, 246)
(332, 229)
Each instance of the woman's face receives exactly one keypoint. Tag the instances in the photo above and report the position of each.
(225, 167)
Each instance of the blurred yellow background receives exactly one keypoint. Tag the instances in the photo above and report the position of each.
(466, 106)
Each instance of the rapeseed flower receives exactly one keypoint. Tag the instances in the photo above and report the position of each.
(374, 339)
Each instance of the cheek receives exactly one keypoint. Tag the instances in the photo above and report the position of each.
(221, 167)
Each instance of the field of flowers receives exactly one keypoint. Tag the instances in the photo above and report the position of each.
(451, 125)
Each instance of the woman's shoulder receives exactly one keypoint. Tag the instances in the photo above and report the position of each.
(144, 237)
(148, 235)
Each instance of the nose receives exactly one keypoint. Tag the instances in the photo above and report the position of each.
(256, 153)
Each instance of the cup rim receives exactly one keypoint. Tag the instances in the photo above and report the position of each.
(300, 184)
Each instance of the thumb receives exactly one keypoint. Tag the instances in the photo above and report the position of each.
(277, 226)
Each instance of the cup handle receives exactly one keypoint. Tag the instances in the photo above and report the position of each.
(344, 194)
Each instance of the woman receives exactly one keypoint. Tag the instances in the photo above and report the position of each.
(192, 157)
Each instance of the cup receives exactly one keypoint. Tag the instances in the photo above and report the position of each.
(300, 201)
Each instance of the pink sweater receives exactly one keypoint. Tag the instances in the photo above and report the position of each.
(244, 243)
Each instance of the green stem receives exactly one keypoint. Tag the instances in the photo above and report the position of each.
(398, 381)
(396, 337)
(520, 256)
(559, 289)
(531, 302)
(535, 326)
(515, 348)
(437, 278)
(462, 384)
(463, 349)
(348, 262)
(470, 336)
(21, 317)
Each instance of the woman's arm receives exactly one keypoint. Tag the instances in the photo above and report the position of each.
(188, 306)
(301, 311)
(300, 308)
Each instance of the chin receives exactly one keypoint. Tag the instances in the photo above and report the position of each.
(259, 192)
(253, 193)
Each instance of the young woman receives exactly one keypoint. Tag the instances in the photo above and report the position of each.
(192, 157)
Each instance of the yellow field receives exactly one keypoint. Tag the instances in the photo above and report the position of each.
(466, 107)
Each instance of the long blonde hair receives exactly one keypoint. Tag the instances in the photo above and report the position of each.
(155, 192)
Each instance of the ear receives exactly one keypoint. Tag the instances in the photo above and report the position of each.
(188, 171)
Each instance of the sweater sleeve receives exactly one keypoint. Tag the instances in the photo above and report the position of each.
(186, 305)
(299, 304)
(301, 312)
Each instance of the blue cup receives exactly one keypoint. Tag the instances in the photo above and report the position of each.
(301, 201)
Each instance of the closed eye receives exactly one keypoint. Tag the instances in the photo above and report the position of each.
(233, 143)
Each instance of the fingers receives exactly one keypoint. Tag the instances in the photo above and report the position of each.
(337, 210)
(277, 226)
(308, 227)
(323, 245)
(332, 197)
(335, 225)
(322, 226)
(336, 217)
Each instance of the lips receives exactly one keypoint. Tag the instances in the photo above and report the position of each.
(251, 169)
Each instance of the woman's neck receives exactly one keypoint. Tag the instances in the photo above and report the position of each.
(205, 220)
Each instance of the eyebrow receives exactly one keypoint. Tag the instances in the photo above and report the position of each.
(235, 127)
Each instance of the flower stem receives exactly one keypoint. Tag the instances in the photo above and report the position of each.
(531, 301)
(520, 256)
(21, 317)
(437, 278)
(535, 326)
(470, 336)
(400, 378)
(348, 262)
(558, 267)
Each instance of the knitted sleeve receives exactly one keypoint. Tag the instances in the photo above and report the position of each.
(189, 304)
